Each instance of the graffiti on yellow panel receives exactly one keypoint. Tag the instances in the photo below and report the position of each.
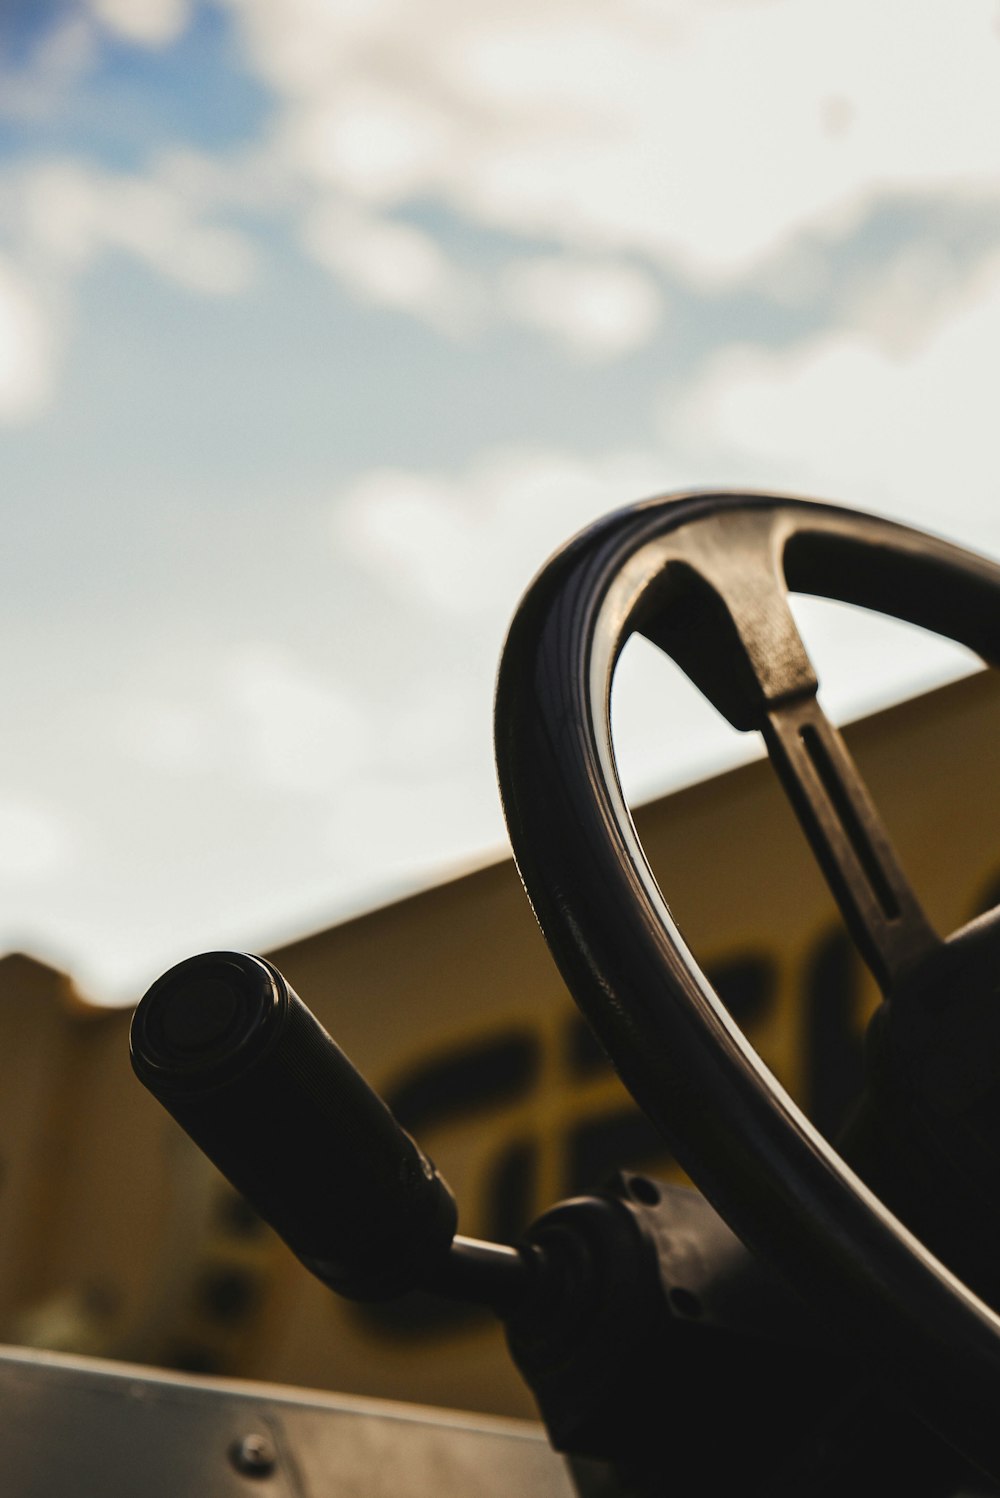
(523, 1111)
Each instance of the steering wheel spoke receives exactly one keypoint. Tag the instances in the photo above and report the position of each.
(727, 621)
(849, 839)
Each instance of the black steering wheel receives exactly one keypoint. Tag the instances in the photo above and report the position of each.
(706, 577)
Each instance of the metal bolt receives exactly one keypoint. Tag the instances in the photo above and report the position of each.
(254, 1455)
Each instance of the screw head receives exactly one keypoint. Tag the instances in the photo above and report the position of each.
(254, 1455)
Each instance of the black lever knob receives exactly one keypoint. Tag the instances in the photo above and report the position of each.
(248, 1071)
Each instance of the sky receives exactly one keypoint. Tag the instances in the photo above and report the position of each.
(323, 323)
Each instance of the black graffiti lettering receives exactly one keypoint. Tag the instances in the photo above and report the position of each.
(747, 986)
(832, 1029)
(415, 1316)
(228, 1293)
(585, 1056)
(480, 1076)
(477, 1077)
(192, 1358)
(598, 1135)
(510, 1191)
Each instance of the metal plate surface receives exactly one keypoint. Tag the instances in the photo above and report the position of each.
(82, 1428)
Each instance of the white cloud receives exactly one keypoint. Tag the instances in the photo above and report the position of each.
(392, 265)
(35, 88)
(254, 713)
(35, 842)
(905, 302)
(27, 349)
(145, 218)
(375, 141)
(151, 23)
(599, 309)
(60, 220)
(301, 47)
(71, 213)
(467, 544)
(169, 737)
(846, 417)
(708, 135)
(294, 733)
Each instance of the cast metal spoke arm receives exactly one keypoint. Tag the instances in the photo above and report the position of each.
(849, 839)
(737, 556)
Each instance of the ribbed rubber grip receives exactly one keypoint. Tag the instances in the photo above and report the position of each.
(245, 1068)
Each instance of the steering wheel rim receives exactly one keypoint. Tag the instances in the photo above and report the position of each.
(745, 1143)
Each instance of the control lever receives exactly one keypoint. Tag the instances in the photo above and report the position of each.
(618, 1304)
(230, 1050)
